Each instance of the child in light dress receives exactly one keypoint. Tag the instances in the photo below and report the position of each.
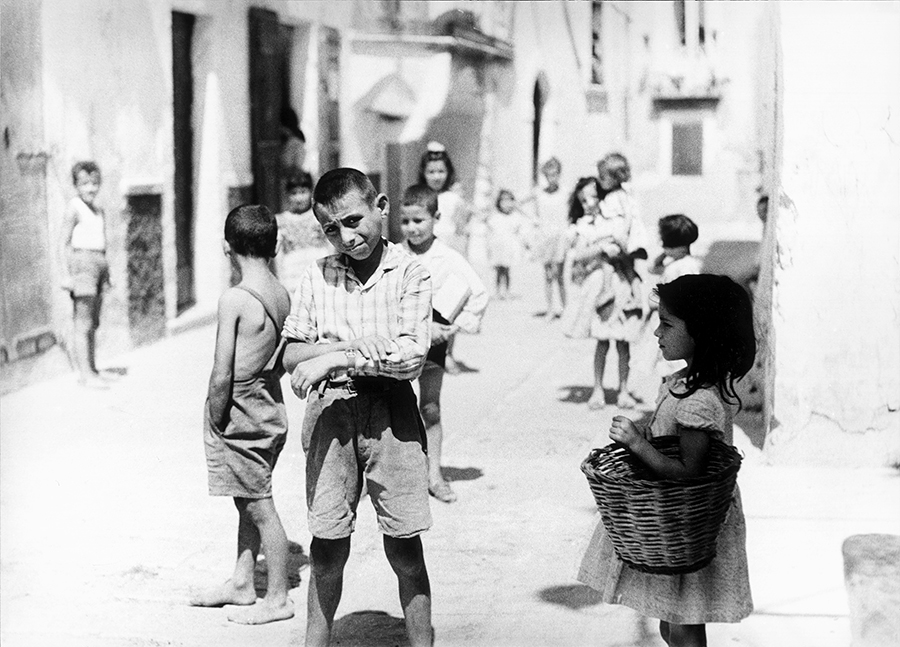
(707, 321)
(437, 172)
(506, 228)
(551, 207)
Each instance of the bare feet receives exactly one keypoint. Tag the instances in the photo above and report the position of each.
(450, 366)
(93, 381)
(262, 612)
(442, 492)
(626, 400)
(597, 401)
(226, 593)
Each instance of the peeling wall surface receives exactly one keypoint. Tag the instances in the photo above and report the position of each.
(835, 312)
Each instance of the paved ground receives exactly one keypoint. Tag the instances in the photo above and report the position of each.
(106, 522)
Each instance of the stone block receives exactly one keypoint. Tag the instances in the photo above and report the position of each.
(872, 578)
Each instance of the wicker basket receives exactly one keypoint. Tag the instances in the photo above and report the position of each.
(662, 526)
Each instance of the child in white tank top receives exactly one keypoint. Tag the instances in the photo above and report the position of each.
(84, 250)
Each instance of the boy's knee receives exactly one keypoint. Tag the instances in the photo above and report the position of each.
(260, 510)
(405, 556)
(431, 413)
(329, 554)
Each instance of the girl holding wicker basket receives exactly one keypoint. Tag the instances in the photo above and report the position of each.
(707, 321)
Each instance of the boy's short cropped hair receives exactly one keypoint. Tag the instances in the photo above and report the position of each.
(252, 230)
(299, 180)
(337, 183)
(420, 195)
(677, 230)
(87, 166)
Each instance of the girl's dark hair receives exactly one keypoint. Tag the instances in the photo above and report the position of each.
(500, 194)
(719, 318)
(576, 211)
(297, 180)
(437, 156)
(252, 230)
(677, 230)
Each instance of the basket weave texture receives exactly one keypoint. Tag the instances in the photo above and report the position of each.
(662, 526)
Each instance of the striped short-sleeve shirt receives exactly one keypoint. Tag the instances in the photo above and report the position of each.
(332, 305)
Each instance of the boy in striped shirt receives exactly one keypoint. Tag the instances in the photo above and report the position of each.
(358, 333)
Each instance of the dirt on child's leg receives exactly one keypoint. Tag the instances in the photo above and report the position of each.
(273, 542)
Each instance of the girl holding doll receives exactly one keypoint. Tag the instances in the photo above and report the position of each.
(707, 321)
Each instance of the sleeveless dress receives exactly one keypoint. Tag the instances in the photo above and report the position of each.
(240, 457)
(720, 592)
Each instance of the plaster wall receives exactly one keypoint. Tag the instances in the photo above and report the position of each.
(639, 44)
(836, 275)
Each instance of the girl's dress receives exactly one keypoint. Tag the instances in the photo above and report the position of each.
(451, 226)
(302, 241)
(505, 231)
(720, 592)
(551, 219)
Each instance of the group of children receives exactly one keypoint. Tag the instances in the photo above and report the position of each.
(362, 324)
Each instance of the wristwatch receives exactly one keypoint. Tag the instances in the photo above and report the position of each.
(351, 355)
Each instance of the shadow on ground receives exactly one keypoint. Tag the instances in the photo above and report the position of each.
(461, 473)
(462, 367)
(369, 629)
(571, 596)
(297, 561)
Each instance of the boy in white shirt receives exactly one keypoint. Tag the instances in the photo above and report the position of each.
(459, 302)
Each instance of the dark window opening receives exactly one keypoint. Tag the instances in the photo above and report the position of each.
(687, 148)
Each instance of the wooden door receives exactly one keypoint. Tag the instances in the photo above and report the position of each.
(266, 78)
(183, 133)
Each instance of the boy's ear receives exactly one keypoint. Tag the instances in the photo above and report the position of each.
(437, 215)
(226, 247)
(383, 204)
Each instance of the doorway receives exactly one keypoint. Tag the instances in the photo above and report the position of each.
(183, 108)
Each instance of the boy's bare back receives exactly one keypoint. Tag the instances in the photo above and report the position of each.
(256, 335)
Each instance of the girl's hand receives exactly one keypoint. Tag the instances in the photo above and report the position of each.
(626, 432)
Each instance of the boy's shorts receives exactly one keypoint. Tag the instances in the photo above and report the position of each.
(369, 428)
(89, 271)
(241, 457)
